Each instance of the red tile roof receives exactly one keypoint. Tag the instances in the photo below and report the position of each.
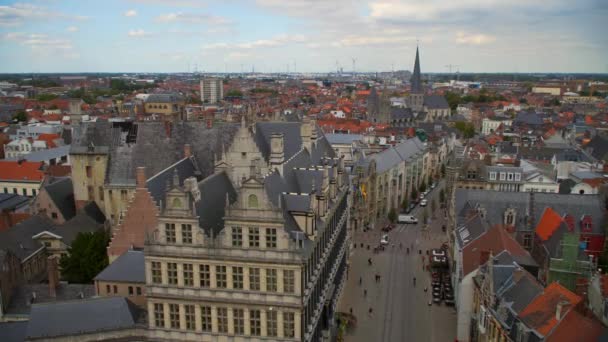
(576, 327)
(548, 224)
(49, 139)
(21, 171)
(540, 314)
(495, 240)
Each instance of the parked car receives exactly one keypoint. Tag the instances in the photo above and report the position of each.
(433, 185)
(407, 219)
(423, 203)
(384, 239)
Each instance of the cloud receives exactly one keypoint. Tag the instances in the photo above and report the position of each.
(139, 33)
(19, 14)
(130, 13)
(192, 18)
(474, 39)
(172, 3)
(72, 29)
(276, 41)
(355, 40)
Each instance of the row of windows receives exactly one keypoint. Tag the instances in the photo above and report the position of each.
(237, 280)
(23, 191)
(506, 176)
(222, 319)
(115, 288)
(253, 237)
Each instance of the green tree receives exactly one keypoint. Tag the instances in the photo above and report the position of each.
(414, 194)
(46, 97)
(21, 116)
(234, 93)
(422, 186)
(469, 131)
(86, 257)
(392, 215)
(453, 99)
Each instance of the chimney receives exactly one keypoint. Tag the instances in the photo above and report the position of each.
(484, 256)
(140, 177)
(187, 151)
(305, 133)
(277, 152)
(53, 274)
(168, 129)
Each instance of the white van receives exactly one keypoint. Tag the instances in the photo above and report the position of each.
(407, 219)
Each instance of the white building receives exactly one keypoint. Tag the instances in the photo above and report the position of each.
(212, 90)
(489, 126)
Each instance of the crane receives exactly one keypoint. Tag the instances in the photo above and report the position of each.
(450, 66)
(354, 64)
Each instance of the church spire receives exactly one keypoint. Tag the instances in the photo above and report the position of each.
(416, 80)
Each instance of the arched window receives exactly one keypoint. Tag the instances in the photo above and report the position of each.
(253, 201)
(510, 219)
(177, 203)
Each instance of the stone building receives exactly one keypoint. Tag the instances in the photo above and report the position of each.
(256, 251)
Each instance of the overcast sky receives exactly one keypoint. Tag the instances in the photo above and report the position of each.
(305, 35)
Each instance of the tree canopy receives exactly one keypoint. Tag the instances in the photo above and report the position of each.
(86, 257)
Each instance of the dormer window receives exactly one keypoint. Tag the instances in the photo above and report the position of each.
(471, 174)
(252, 201)
(492, 175)
(177, 203)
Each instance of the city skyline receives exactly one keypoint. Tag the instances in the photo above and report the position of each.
(302, 36)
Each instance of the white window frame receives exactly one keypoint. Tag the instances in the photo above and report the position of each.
(503, 176)
(492, 175)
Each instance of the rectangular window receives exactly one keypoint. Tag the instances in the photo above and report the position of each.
(237, 278)
(510, 176)
(237, 237)
(271, 238)
(130, 290)
(205, 275)
(271, 280)
(206, 318)
(254, 279)
(189, 315)
(90, 192)
(503, 176)
(222, 320)
(188, 275)
(54, 215)
(289, 281)
(24, 192)
(89, 171)
(255, 322)
(220, 277)
(518, 177)
(157, 277)
(271, 323)
(239, 321)
(108, 289)
(170, 232)
(289, 324)
(187, 234)
(33, 192)
(254, 237)
(115, 289)
(492, 175)
(139, 291)
(174, 315)
(123, 195)
(172, 273)
(101, 197)
(159, 315)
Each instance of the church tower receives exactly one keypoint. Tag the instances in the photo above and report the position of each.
(417, 90)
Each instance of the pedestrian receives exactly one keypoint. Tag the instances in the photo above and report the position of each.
(360, 280)
(351, 310)
(364, 292)
(371, 311)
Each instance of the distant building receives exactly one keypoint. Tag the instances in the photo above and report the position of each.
(165, 105)
(212, 90)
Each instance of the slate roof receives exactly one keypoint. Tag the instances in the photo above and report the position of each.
(210, 208)
(18, 238)
(164, 98)
(12, 201)
(157, 185)
(598, 147)
(528, 118)
(436, 102)
(45, 155)
(292, 140)
(398, 113)
(13, 331)
(496, 202)
(127, 268)
(88, 220)
(576, 327)
(81, 317)
(21, 300)
(416, 80)
(343, 139)
(61, 192)
(393, 155)
(521, 292)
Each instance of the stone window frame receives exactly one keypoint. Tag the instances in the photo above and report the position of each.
(204, 272)
(187, 233)
(289, 324)
(170, 233)
(188, 274)
(159, 315)
(206, 318)
(254, 236)
(174, 316)
(222, 319)
(157, 272)
(271, 238)
(271, 280)
(238, 278)
(289, 281)
(272, 323)
(255, 322)
(238, 321)
(221, 277)
(255, 283)
(190, 316)
(172, 273)
(237, 236)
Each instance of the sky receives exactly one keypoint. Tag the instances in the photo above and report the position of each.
(303, 35)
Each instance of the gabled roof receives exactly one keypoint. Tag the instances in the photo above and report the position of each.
(24, 171)
(576, 327)
(81, 317)
(61, 192)
(18, 238)
(436, 102)
(211, 207)
(549, 222)
(127, 268)
(494, 240)
(540, 314)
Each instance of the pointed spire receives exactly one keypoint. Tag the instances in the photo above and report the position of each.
(416, 80)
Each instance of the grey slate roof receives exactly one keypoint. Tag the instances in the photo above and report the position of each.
(496, 202)
(61, 192)
(12, 201)
(342, 139)
(88, 220)
(528, 118)
(21, 301)
(436, 102)
(18, 239)
(45, 155)
(127, 268)
(164, 98)
(157, 185)
(81, 317)
(398, 113)
(404, 151)
(598, 147)
(13, 331)
(292, 140)
(211, 207)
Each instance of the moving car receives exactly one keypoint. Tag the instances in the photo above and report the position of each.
(423, 203)
(433, 185)
(384, 239)
(407, 219)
